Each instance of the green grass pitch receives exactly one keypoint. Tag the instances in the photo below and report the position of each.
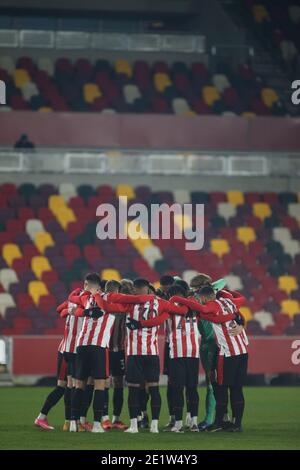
(272, 421)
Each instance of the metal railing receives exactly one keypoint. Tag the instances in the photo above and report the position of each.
(68, 161)
(81, 40)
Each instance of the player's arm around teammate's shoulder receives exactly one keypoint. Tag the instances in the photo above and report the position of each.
(174, 308)
(130, 298)
(210, 311)
(237, 298)
(133, 324)
(62, 306)
(111, 307)
(78, 299)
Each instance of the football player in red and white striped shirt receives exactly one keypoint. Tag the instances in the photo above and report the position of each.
(73, 326)
(184, 339)
(92, 348)
(116, 361)
(62, 385)
(231, 368)
(166, 282)
(142, 350)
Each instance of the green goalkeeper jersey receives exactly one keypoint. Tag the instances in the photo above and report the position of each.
(206, 330)
(205, 327)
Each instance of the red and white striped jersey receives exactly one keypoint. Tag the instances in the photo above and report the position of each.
(183, 336)
(60, 346)
(71, 331)
(143, 341)
(229, 345)
(96, 331)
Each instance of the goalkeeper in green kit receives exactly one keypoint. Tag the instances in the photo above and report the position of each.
(208, 348)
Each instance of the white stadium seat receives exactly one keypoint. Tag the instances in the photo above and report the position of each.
(8, 277)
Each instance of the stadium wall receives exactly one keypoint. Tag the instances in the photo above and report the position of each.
(162, 132)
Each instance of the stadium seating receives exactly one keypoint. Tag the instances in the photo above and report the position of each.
(252, 239)
(278, 25)
(137, 87)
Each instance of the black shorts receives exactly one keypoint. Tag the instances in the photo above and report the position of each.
(61, 371)
(166, 358)
(116, 363)
(92, 361)
(70, 359)
(140, 369)
(232, 370)
(184, 371)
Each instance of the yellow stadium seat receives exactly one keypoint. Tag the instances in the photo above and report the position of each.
(219, 246)
(141, 244)
(246, 235)
(261, 210)
(138, 237)
(287, 284)
(45, 109)
(210, 94)
(123, 66)
(21, 76)
(55, 202)
(109, 274)
(161, 81)
(125, 190)
(269, 96)
(65, 216)
(91, 91)
(40, 264)
(42, 240)
(248, 114)
(189, 113)
(260, 13)
(37, 289)
(235, 198)
(246, 312)
(10, 252)
(183, 221)
(290, 307)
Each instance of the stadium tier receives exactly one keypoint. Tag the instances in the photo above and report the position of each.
(48, 242)
(278, 24)
(138, 87)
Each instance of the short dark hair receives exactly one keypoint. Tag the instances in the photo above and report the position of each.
(176, 289)
(94, 278)
(103, 284)
(112, 284)
(184, 285)
(140, 282)
(166, 280)
(207, 291)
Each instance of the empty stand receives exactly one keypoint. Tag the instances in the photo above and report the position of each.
(48, 242)
(138, 87)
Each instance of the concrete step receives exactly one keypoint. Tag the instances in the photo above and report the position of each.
(5, 380)
(6, 384)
